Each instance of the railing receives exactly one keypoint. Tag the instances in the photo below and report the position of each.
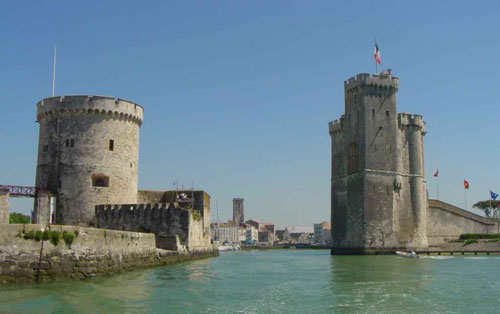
(24, 191)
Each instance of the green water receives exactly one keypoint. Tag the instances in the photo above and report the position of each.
(281, 281)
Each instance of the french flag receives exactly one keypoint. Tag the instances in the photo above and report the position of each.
(377, 54)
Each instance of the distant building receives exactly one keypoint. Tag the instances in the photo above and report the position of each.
(283, 236)
(323, 232)
(266, 237)
(252, 234)
(242, 234)
(225, 232)
(301, 237)
(238, 214)
(256, 224)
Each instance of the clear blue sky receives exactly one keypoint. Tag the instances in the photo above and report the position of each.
(238, 95)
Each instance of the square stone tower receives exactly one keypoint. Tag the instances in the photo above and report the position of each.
(378, 201)
(238, 214)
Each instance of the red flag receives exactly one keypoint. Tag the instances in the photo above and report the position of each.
(466, 184)
(436, 174)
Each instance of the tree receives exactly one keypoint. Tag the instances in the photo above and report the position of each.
(16, 218)
(491, 210)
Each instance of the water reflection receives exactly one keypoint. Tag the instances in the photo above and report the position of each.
(373, 282)
(114, 294)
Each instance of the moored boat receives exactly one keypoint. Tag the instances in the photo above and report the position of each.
(407, 254)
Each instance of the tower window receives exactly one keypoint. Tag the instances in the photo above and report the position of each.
(373, 112)
(69, 143)
(66, 144)
(387, 113)
(100, 180)
(45, 148)
(111, 145)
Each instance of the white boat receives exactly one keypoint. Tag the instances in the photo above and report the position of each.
(407, 254)
(229, 247)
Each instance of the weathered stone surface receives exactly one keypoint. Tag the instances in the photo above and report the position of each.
(4, 204)
(91, 254)
(447, 222)
(378, 185)
(74, 152)
(378, 182)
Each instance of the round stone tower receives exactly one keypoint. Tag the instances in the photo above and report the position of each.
(88, 154)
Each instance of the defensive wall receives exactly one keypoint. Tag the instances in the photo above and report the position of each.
(168, 221)
(447, 222)
(92, 252)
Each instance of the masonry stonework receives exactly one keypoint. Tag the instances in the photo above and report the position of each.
(378, 184)
(4, 205)
(88, 153)
(92, 252)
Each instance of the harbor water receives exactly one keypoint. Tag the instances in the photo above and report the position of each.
(277, 281)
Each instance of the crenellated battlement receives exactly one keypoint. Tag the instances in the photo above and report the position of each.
(415, 120)
(335, 126)
(162, 219)
(83, 104)
(374, 82)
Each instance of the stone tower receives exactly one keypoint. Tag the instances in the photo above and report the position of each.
(238, 214)
(88, 154)
(378, 199)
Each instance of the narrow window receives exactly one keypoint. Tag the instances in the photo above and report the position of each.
(111, 145)
(100, 180)
(72, 143)
(373, 113)
(357, 115)
(45, 148)
(66, 144)
(387, 113)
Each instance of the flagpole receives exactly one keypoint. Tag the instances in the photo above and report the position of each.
(437, 186)
(54, 72)
(465, 195)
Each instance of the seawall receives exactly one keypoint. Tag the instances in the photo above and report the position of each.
(79, 253)
(447, 222)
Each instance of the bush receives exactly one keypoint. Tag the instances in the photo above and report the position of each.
(30, 235)
(16, 218)
(467, 236)
(54, 236)
(68, 238)
(469, 241)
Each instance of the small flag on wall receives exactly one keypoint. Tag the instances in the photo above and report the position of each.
(466, 184)
(377, 54)
(436, 174)
(493, 195)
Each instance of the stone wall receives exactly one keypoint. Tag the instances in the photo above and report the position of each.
(377, 181)
(93, 252)
(4, 204)
(447, 222)
(164, 219)
(77, 160)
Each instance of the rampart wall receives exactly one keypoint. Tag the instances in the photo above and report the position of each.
(164, 220)
(446, 222)
(92, 252)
